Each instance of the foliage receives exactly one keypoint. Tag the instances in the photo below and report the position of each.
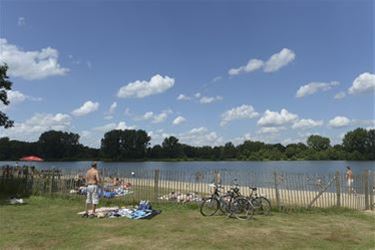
(129, 145)
(5, 85)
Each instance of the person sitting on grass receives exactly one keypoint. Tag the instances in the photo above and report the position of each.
(92, 180)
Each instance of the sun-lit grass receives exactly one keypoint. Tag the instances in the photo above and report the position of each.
(54, 223)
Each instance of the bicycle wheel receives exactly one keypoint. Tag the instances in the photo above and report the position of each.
(262, 205)
(209, 206)
(225, 203)
(241, 208)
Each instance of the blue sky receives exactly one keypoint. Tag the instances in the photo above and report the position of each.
(206, 72)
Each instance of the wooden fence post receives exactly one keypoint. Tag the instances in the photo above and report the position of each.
(338, 191)
(366, 186)
(277, 194)
(371, 189)
(156, 184)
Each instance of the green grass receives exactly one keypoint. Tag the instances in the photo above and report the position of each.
(53, 223)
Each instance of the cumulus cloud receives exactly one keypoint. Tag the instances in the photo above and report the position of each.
(270, 130)
(208, 99)
(313, 87)
(87, 108)
(200, 137)
(31, 65)
(252, 65)
(156, 118)
(111, 126)
(339, 122)
(340, 95)
(272, 119)
(307, 124)
(31, 129)
(112, 108)
(182, 97)
(364, 83)
(238, 113)
(139, 89)
(274, 63)
(179, 120)
(15, 97)
(279, 60)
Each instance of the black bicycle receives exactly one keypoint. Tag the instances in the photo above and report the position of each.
(229, 203)
(259, 203)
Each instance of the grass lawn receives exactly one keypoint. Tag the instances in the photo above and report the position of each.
(53, 223)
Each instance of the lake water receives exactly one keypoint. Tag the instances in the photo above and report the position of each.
(297, 175)
(304, 167)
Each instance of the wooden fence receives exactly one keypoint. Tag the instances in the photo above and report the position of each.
(285, 190)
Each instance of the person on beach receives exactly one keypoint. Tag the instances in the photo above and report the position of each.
(349, 179)
(92, 181)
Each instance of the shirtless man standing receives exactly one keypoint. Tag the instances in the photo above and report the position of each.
(92, 181)
(349, 179)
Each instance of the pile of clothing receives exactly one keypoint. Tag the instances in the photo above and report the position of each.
(180, 197)
(117, 192)
(142, 211)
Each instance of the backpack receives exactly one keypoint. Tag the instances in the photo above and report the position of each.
(144, 205)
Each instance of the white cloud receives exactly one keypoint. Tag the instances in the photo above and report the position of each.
(139, 89)
(112, 108)
(31, 129)
(197, 95)
(207, 99)
(306, 124)
(270, 130)
(87, 108)
(274, 63)
(252, 65)
(15, 97)
(156, 118)
(182, 97)
(111, 111)
(313, 87)
(279, 60)
(340, 95)
(365, 82)
(179, 120)
(31, 65)
(200, 137)
(21, 21)
(272, 119)
(339, 122)
(238, 113)
(111, 126)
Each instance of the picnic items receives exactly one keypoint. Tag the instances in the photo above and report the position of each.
(181, 197)
(144, 210)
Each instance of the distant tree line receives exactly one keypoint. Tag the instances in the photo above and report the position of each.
(134, 145)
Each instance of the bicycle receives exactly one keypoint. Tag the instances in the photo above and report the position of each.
(260, 204)
(229, 203)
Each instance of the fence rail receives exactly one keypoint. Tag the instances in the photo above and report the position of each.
(284, 189)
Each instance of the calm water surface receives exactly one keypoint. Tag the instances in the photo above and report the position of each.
(306, 167)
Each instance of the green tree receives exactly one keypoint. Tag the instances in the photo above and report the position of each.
(124, 144)
(58, 144)
(5, 85)
(318, 143)
(172, 148)
(229, 151)
(356, 140)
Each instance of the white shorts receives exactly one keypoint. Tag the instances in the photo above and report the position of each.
(92, 195)
(350, 182)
